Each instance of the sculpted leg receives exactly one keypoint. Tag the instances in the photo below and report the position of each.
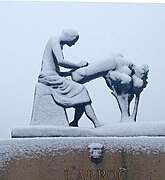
(79, 110)
(91, 115)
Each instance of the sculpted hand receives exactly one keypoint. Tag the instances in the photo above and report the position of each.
(83, 64)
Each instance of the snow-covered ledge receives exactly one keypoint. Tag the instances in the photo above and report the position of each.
(35, 147)
(108, 130)
(69, 157)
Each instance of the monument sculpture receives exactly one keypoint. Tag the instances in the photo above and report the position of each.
(80, 153)
(56, 91)
(64, 92)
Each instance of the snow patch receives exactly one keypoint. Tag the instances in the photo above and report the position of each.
(117, 76)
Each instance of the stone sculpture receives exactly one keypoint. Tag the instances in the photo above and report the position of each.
(124, 78)
(54, 92)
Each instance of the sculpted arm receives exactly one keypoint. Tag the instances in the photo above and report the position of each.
(60, 58)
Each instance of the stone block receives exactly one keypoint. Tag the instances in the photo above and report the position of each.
(131, 158)
(45, 110)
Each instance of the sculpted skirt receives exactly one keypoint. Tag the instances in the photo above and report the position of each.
(66, 92)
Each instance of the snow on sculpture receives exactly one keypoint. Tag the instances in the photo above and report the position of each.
(98, 69)
(127, 82)
(124, 78)
(55, 92)
(54, 89)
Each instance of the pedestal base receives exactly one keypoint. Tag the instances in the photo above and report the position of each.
(108, 130)
(131, 158)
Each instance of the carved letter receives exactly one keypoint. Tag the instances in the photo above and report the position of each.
(66, 174)
(90, 174)
(101, 174)
(111, 176)
(123, 174)
(81, 175)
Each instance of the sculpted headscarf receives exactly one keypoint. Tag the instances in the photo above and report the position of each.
(70, 34)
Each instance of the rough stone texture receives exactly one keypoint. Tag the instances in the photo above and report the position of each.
(138, 167)
(73, 162)
(45, 110)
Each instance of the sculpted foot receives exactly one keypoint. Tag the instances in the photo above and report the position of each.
(74, 124)
(98, 124)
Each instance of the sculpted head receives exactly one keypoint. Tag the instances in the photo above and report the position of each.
(69, 37)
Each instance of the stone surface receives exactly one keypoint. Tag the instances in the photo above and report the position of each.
(45, 110)
(111, 129)
(68, 159)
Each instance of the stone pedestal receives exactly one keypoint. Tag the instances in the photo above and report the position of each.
(108, 130)
(45, 110)
(131, 158)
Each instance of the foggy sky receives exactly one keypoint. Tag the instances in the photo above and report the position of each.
(135, 30)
